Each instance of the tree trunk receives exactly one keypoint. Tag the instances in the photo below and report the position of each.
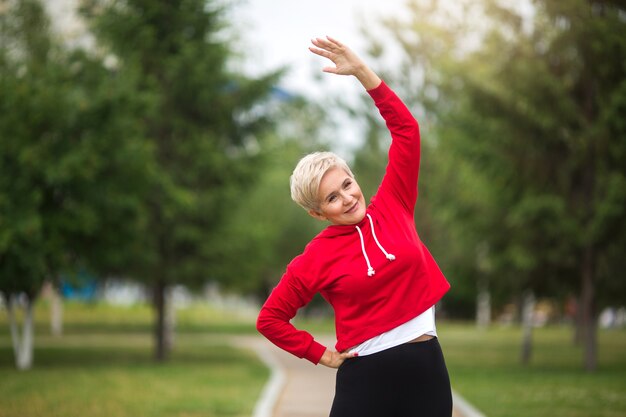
(588, 266)
(528, 309)
(577, 338)
(159, 302)
(22, 343)
(56, 312)
(483, 308)
(170, 319)
(588, 324)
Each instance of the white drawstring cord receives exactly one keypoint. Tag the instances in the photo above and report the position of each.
(389, 256)
(370, 270)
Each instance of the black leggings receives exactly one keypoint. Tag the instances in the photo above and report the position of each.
(409, 380)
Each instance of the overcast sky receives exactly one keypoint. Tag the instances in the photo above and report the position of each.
(278, 32)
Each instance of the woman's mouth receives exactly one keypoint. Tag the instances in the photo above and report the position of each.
(353, 208)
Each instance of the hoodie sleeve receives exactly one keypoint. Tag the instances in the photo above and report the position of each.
(401, 175)
(274, 319)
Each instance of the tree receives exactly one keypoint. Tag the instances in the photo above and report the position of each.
(203, 121)
(268, 229)
(441, 225)
(71, 166)
(22, 246)
(530, 104)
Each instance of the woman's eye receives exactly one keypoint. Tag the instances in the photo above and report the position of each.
(332, 198)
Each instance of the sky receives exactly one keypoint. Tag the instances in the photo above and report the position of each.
(278, 32)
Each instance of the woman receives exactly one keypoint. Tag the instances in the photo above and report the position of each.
(371, 266)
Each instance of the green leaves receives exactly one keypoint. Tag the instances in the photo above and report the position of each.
(529, 117)
(199, 123)
(72, 162)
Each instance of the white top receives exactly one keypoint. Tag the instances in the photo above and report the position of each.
(422, 324)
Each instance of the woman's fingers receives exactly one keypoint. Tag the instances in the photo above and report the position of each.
(320, 52)
(351, 355)
(346, 62)
(335, 41)
(329, 45)
(347, 355)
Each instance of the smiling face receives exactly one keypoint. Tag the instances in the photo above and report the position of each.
(341, 199)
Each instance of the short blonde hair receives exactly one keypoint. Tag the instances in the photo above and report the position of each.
(307, 176)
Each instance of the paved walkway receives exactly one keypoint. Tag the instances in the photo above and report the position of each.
(308, 390)
(299, 389)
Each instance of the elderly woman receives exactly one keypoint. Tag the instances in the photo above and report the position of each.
(371, 267)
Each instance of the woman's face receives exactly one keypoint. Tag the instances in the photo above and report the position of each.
(341, 199)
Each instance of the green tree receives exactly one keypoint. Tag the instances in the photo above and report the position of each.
(203, 121)
(441, 181)
(268, 229)
(71, 164)
(531, 106)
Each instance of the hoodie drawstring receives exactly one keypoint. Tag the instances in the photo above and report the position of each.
(370, 270)
(389, 256)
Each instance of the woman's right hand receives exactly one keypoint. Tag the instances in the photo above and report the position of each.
(333, 359)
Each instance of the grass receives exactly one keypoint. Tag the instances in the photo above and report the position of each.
(102, 366)
(94, 370)
(484, 368)
(122, 381)
(101, 318)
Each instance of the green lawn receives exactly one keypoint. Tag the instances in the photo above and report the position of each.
(102, 366)
(93, 370)
(484, 368)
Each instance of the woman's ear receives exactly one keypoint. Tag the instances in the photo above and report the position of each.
(317, 215)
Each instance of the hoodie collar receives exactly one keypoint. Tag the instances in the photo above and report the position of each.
(338, 230)
(389, 256)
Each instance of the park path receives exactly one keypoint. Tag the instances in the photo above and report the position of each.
(299, 389)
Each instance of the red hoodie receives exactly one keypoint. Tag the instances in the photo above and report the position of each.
(336, 262)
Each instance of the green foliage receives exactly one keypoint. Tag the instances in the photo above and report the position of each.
(528, 110)
(130, 167)
(72, 165)
(268, 229)
(370, 159)
(202, 121)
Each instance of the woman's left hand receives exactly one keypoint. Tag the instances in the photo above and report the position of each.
(346, 62)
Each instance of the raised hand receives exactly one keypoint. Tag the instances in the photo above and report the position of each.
(346, 62)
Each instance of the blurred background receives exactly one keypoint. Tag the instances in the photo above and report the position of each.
(145, 152)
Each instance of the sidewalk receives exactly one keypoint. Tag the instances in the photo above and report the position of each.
(299, 389)
(308, 390)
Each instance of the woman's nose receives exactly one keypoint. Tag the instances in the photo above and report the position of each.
(346, 198)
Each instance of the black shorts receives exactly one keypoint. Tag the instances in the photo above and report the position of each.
(409, 380)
